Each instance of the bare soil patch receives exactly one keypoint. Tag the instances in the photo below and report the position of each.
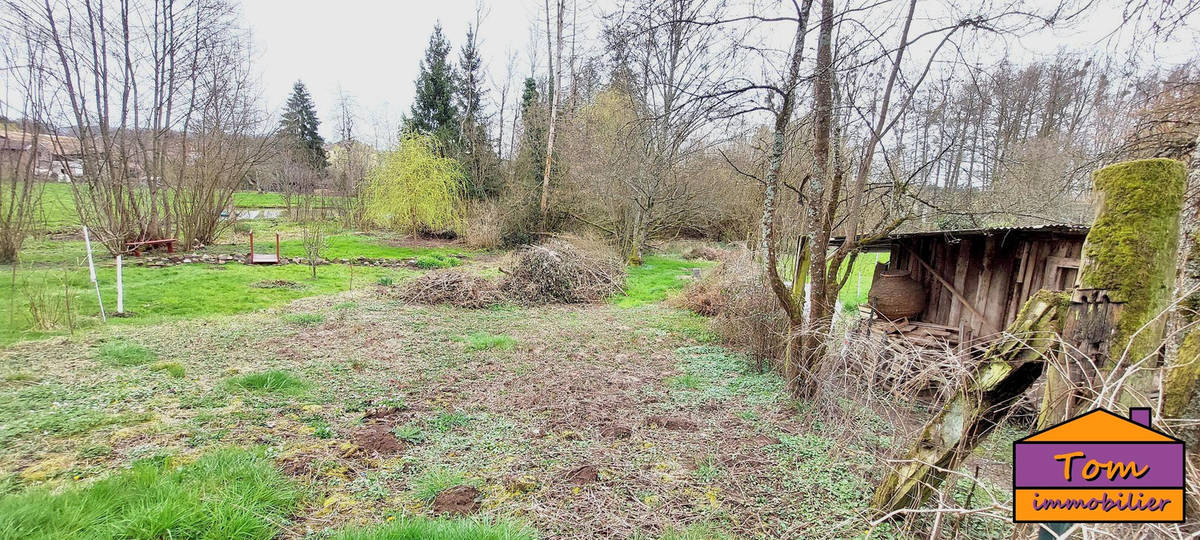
(458, 500)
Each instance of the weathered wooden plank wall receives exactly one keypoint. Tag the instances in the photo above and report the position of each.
(996, 273)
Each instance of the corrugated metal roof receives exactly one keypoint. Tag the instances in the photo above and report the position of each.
(950, 235)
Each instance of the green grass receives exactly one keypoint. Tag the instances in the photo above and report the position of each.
(174, 369)
(124, 353)
(350, 245)
(655, 279)
(854, 293)
(225, 494)
(482, 341)
(57, 209)
(156, 295)
(270, 381)
(446, 421)
(437, 260)
(435, 481)
(254, 199)
(421, 528)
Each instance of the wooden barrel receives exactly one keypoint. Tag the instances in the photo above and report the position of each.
(896, 295)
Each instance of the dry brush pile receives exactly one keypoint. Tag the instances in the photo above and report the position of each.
(556, 272)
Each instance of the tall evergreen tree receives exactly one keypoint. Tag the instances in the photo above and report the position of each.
(433, 111)
(299, 127)
(474, 149)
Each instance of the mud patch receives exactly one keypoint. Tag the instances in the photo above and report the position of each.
(378, 439)
(461, 500)
(584, 474)
(673, 423)
(616, 432)
(382, 413)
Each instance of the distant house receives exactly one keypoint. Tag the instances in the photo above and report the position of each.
(54, 156)
(972, 282)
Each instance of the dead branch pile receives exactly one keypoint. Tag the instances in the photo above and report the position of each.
(452, 287)
(558, 272)
(707, 253)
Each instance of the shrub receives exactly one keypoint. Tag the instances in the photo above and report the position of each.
(270, 381)
(124, 353)
(484, 224)
(224, 494)
(745, 311)
(559, 272)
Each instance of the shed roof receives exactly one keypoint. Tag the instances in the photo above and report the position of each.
(953, 235)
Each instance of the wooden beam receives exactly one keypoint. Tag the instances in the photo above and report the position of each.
(954, 292)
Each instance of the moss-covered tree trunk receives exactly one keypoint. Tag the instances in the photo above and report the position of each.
(1129, 260)
(1181, 385)
(1009, 367)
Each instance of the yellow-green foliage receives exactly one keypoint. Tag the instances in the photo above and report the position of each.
(414, 188)
(1131, 247)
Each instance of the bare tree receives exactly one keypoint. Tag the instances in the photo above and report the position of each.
(21, 146)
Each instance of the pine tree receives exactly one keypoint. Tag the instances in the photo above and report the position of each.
(299, 127)
(474, 149)
(433, 111)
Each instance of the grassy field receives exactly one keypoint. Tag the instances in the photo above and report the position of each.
(348, 413)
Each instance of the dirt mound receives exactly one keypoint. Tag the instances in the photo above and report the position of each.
(296, 466)
(558, 272)
(616, 432)
(452, 287)
(584, 474)
(460, 500)
(673, 423)
(378, 439)
(704, 253)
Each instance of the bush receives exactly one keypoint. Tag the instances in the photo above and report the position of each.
(745, 311)
(224, 494)
(559, 272)
(484, 224)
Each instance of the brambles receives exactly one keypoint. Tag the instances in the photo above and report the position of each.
(452, 287)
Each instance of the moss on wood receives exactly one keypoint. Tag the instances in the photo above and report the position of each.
(1131, 248)
(1180, 385)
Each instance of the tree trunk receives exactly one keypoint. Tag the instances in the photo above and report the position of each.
(1126, 277)
(555, 68)
(1181, 386)
(1010, 366)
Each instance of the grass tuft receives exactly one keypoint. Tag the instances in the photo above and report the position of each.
(435, 481)
(421, 528)
(481, 341)
(655, 279)
(174, 369)
(124, 353)
(270, 381)
(437, 260)
(225, 494)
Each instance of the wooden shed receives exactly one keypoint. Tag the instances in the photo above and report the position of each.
(975, 280)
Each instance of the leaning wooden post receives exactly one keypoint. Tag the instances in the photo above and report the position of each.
(1010, 366)
(1126, 278)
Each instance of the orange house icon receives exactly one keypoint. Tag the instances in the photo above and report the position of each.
(1099, 467)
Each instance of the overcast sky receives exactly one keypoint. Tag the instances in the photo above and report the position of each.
(371, 49)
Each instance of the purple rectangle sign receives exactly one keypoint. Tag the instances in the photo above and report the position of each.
(1129, 465)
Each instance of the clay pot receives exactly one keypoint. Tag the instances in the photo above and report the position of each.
(895, 295)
